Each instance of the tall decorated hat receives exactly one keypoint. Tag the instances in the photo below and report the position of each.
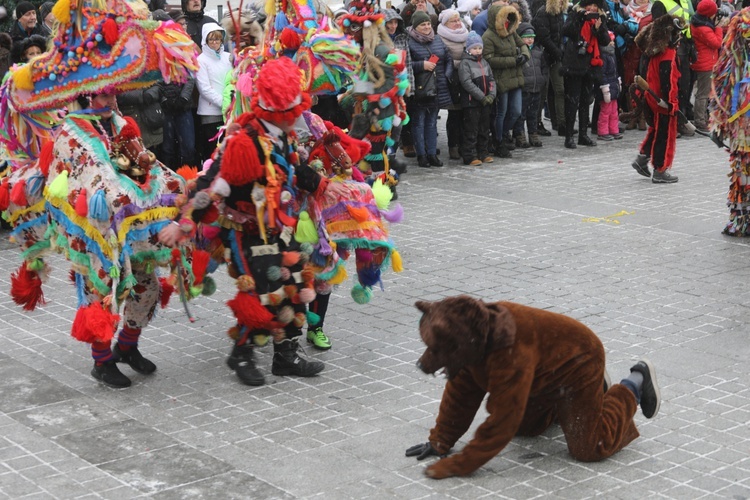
(102, 46)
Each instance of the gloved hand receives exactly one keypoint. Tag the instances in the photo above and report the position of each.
(421, 451)
(620, 29)
(606, 92)
(521, 59)
(488, 100)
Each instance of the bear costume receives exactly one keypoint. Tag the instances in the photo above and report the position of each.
(538, 367)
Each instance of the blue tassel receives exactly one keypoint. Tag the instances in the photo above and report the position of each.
(81, 291)
(387, 123)
(369, 276)
(318, 259)
(98, 208)
(34, 185)
(213, 265)
(281, 22)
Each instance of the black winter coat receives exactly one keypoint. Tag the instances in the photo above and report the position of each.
(443, 71)
(548, 23)
(575, 63)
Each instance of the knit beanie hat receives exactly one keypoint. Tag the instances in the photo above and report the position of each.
(473, 40)
(707, 8)
(45, 9)
(418, 18)
(526, 30)
(22, 8)
(446, 15)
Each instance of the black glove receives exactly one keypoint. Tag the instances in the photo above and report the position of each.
(521, 59)
(621, 30)
(421, 451)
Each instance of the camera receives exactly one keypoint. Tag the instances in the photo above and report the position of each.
(582, 46)
(591, 15)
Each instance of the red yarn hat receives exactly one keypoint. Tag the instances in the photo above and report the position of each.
(707, 8)
(278, 94)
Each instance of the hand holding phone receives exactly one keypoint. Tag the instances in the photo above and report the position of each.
(433, 59)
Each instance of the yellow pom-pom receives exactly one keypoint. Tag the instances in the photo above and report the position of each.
(61, 11)
(22, 78)
(396, 264)
(59, 187)
(382, 194)
(306, 231)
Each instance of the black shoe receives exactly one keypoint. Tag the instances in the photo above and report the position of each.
(395, 194)
(650, 394)
(243, 363)
(434, 161)
(503, 152)
(286, 361)
(135, 359)
(663, 177)
(585, 140)
(640, 164)
(570, 143)
(422, 161)
(563, 132)
(508, 143)
(110, 375)
(540, 130)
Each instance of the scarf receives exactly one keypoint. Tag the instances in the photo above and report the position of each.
(420, 38)
(588, 34)
(457, 36)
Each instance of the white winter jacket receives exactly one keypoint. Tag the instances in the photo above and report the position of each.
(212, 70)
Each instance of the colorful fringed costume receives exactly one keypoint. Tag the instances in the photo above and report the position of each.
(729, 118)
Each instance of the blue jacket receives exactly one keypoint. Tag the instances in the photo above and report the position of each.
(443, 71)
(609, 74)
(618, 17)
(480, 23)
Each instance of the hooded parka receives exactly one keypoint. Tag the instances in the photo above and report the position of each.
(502, 45)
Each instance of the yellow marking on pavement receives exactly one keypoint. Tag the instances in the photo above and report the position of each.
(610, 219)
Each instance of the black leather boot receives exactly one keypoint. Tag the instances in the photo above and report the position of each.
(434, 161)
(570, 143)
(422, 161)
(110, 375)
(585, 140)
(242, 362)
(135, 359)
(397, 165)
(286, 361)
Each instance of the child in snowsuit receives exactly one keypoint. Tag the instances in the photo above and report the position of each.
(535, 75)
(608, 125)
(478, 94)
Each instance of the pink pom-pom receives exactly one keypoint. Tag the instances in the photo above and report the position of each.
(211, 232)
(307, 295)
(285, 274)
(207, 164)
(285, 315)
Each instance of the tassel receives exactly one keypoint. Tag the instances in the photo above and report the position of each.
(394, 215)
(290, 39)
(18, 194)
(200, 264)
(249, 311)
(80, 283)
(61, 11)
(240, 164)
(98, 208)
(312, 318)
(340, 276)
(22, 77)
(93, 323)
(4, 195)
(382, 194)
(46, 156)
(35, 185)
(26, 288)
(59, 187)
(306, 232)
(396, 264)
(165, 292)
(209, 286)
(81, 206)
(110, 31)
(360, 294)
(188, 173)
(360, 214)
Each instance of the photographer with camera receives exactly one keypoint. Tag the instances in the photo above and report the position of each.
(708, 38)
(586, 30)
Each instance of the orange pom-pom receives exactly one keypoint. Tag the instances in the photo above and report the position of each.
(274, 299)
(240, 163)
(187, 172)
(93, 323)
(245, 283)
(249, 311)
(290, 291)
(165, 291)
(110, 31)
(26, 288)
(360, 214)
(288, 259)
(82, 207)
(200, 264)
(46, 157)
(4, 195)
(308, 275)
(18, 193)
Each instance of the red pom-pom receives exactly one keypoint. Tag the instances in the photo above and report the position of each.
(4, 195)
(176, 256)
(26, 288)
(278, 84)
(18, 193)
(93, 323)
(165, 292)
(289, 259)
(289, 38)
(110, 31)
(249, 311)
(240, 163)
(82, 206)
(210, 215)
(200, 264)
(46, 157)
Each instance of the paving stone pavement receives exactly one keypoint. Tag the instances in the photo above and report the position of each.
(576, 232)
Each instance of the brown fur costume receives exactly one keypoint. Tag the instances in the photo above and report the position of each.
(538, 367)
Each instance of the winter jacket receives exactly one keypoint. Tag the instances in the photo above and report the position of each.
(708, 39)
(176, 97)
(476, 79)
(574, 63)
(212, 70)
(479, 25)
(536, 71)
(17, 33)
(400, 41)
(620, 23)
(443, 71)
(195, 22)
(502, 46)
(143, 106)
(609, 74)
(548, 23)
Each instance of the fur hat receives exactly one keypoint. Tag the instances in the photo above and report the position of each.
(525, 30)
(278, 94)
(21, 46)
(473, 40)
(468, 5)
(663, 32)
(177, 15)
(418, 18)
(707, 8)
(23, 7)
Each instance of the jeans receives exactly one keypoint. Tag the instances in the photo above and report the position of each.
(424, 129)
(508, 111)
(179, 129)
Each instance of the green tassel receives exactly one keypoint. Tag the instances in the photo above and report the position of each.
(36, 265)
(59, 187)
(312, 318)
(405, 120)
(196, 290)
(114, 272)
(391, 59)
(306, 231)
(382, 194)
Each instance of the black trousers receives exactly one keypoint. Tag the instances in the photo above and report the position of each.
(476, 133)
(453, 127)
(578, 91)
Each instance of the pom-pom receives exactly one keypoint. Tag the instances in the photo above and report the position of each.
(369, 275)
(273, 273)
(285, 274)
(58, 188)
(45, 157)
(299, 319)
(36, 265)
(249, 311)
(240, 163)
(245, 283)
(367, 23)
(382, 194)
(196, 290)
(165, 292)
(61, 11)
(180, 200)
(26, 288)
(290, 39)
(81, 205)
(274, 299)
(323, 288)
(209, 286)
(396, 263)
(393, 215)
(290, 291)
(360, 294)
(201, 200)
(221, 188)
(110, 31)
(18, 193)
(308, 275)
(4, 195)
(285, 315)
(385, 102)
(187, 172)
(360, 214)
(22, 77)
(200, 263)
(233, 333)
(306, 231)
(306, 248)
(289, 259)
(98, 207)
(93, 323)
(307, 295)
(312, 318)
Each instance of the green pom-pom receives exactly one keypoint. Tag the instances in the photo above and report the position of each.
(360, 294)
(306, 248)
(405, 121)
(196, 290)
(35, 265)
(312, 318)
(209, 286)
(391, 59)
(59, 187)
(114, 272)
(382, 194)
(306, 231)
(273, 273)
